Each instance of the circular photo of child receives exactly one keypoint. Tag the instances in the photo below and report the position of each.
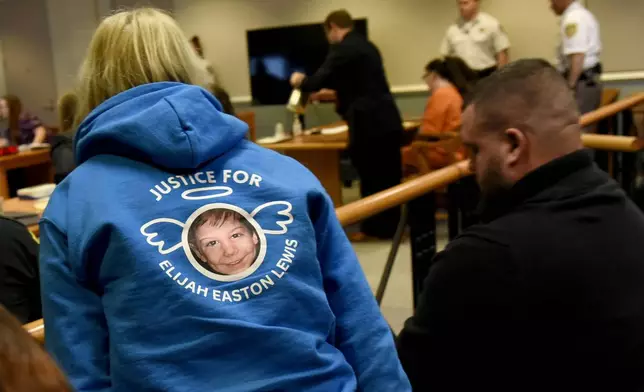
(224, 242)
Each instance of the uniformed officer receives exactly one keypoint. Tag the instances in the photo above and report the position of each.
(579, 52)
(477, 38)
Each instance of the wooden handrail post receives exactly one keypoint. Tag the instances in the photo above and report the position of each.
(37, 330)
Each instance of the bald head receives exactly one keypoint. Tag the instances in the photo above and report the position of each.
(521, 117)
(529, 95)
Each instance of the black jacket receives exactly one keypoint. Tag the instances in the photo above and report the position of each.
(62, 155)
(354, 69)
(19, 277)
(548, 295)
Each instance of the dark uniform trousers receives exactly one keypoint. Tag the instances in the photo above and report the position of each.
(588, 91)
(376, 136)
(588, 95)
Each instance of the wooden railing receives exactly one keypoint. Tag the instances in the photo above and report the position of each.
(37, 330)
(371, 205)
(401, 194)
(613, 143)
(611, 110)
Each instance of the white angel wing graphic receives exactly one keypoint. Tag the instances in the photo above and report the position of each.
(278, 212)
(153, 228)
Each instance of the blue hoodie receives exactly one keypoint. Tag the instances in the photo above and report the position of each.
(180, 257)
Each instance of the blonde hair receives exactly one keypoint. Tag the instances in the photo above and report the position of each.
(67, 108)
(132, 48)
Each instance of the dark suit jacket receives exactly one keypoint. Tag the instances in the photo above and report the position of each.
(354, 69)
(548, 295)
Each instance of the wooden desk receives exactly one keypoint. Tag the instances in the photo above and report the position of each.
(17, 205)
(321, 155)
(39, 161)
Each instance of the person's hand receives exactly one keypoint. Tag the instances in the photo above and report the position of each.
(4, 142)
(324, 95)
(297, 78)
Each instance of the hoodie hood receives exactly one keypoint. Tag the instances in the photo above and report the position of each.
(169, 125)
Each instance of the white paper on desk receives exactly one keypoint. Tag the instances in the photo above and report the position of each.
(41, 204)
(39, 146)
(33, 147)
(274, 139)
(36, 192)
(335, 130)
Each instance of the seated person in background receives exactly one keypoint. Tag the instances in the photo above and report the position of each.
(19, 277)
(62, 150)
(448, 80)
(206, 75)
(23, 127)
(4, 122)
(67, 109)
(548, 293)
(127, 305)
(24, 366)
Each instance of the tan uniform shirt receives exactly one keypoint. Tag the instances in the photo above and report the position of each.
(477, 42)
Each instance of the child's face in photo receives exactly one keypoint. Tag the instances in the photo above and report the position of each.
(228, 248)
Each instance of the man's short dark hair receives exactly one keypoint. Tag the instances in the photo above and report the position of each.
(340, 18)
(523, 94)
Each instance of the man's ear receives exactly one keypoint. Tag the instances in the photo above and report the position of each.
(517, 145)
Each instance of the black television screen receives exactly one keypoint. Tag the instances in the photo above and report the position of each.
(275, 53)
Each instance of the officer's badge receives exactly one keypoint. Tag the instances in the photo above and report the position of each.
(571, 30)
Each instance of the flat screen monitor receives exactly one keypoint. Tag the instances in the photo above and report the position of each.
(275, 53)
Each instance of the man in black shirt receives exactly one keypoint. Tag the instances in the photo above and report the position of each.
(548, 293)
(354, 69)
(19, 278)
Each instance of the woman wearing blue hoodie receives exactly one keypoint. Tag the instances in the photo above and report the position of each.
(179, 256)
